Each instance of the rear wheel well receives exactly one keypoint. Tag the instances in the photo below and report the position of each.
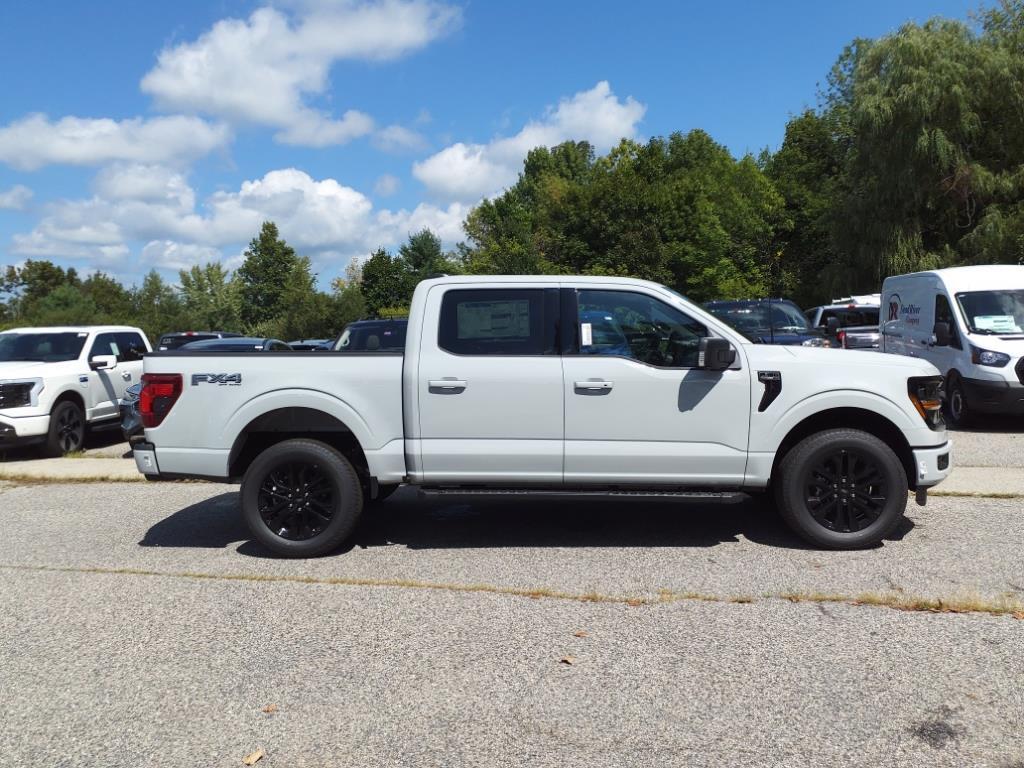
(851, 418)
(289, 423)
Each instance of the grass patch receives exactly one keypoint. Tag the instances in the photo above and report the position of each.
(973, 604)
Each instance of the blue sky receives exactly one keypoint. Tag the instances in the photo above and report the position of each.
(157, 135)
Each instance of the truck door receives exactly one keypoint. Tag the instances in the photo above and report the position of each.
(489, 386)
(637, 409)
(105, 387)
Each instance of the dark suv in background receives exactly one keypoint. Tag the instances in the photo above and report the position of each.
(769, 321)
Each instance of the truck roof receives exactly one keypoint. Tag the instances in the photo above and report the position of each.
(75, 329)
(979, 277)
(528, 279)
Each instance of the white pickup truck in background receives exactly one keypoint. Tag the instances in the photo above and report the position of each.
(550, 385)
(56, 382)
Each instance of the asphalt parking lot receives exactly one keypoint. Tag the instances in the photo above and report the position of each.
(138, 625)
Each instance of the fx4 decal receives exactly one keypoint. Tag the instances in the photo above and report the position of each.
(220, 379)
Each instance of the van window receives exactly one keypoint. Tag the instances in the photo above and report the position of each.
(944, 314)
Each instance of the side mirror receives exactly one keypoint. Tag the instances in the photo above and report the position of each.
(103, 362)
(715, 354)
(832, 326)
(942, 334)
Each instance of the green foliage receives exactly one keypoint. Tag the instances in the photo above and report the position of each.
(680, 211)
(212, 298)
(269, 266)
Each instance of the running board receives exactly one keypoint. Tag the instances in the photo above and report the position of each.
(570, 494)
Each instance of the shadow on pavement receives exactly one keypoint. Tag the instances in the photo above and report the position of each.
(475, 523)
(104, 438)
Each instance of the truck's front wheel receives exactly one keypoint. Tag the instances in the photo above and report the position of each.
(301, 498)
(842, 489)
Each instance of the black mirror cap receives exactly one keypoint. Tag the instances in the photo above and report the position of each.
(832, 326)
(715, 354)
(943, 334)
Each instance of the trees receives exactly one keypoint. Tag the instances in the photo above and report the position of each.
(680, 211)
(269, 264)
(211, 297)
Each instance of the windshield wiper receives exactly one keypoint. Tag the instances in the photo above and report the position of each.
(985, 331)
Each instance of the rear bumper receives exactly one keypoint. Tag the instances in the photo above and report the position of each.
(145, 459)
(932, 465)
(984, 396)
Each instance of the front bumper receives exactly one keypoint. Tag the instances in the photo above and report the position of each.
(23, 430)
(932, 465)
(984, 396)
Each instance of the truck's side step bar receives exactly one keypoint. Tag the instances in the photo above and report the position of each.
(571, 493)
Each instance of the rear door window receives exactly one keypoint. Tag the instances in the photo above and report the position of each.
(499, 321)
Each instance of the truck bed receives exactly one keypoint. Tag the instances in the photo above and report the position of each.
(277, 392)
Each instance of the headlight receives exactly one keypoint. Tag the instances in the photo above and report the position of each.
(926, 395)
(20, 394)
(987, 357)
(816, 342)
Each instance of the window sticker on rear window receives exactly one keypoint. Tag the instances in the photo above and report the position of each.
(997, 323)
(493, 319)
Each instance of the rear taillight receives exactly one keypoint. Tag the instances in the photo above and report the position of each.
(160, 391)
(841, 338)
(926, 395)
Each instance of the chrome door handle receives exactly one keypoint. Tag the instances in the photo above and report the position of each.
(126, 376)
(447, 384)
(592, 385)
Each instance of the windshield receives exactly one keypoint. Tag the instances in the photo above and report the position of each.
(753, 319)
(993, 312)
(41, 347)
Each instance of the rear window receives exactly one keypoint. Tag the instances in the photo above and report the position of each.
(499, 321)
(373, 337)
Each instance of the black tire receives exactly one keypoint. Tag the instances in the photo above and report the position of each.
(67, 429)
(841, 489)
(957, 412)
(301, 498)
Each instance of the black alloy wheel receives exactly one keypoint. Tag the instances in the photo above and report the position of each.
(846, 491)
(301, 498)
(67, 430)
(841, 489)
(296, 501)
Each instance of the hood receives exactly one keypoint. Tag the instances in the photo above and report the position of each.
(765, 355)
(21, 369)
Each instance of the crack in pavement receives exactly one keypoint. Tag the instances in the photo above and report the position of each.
(902, 602)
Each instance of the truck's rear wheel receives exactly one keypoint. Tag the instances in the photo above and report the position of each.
(842, 489)
(301, 498)
(67, 429)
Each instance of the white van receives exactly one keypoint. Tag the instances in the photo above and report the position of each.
(969, 323)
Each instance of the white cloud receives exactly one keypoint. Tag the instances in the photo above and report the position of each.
(396, 138)
(386, 185)
(172, 255)
(16, 198)
(156, 206)
(468, 172)
(35, 141)
(264, 70)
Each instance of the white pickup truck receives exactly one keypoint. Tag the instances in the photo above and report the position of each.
(55, 382)
(550, 385)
